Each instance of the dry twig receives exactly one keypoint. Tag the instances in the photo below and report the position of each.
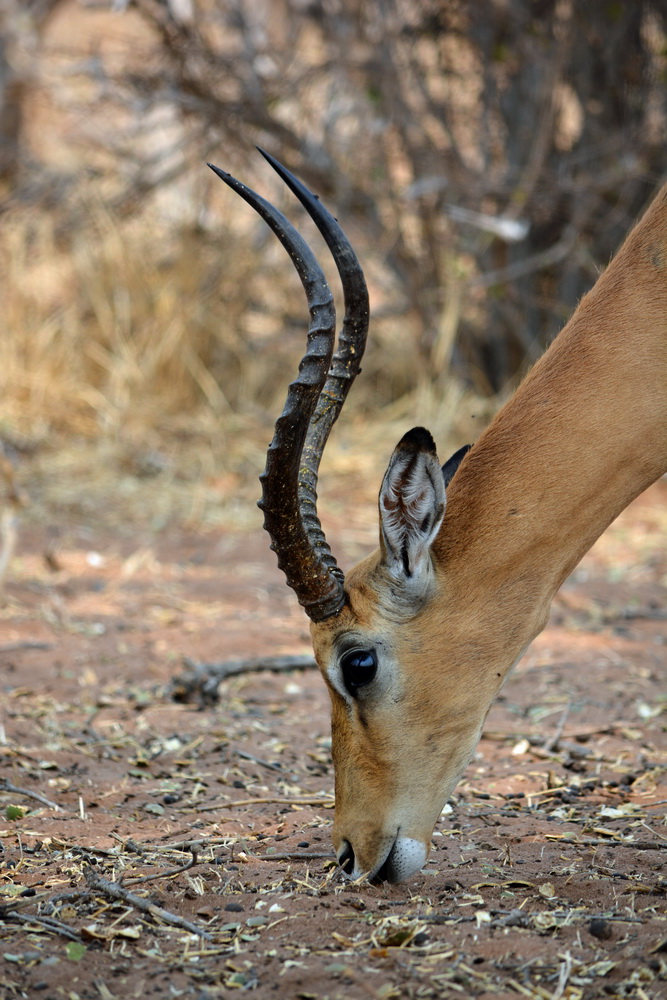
(267, 800)
(200, 681)
(47, 923)
(14, 647)
(296, 856)
(552, 742)
(114, 890)
(169, 873)
(7, 786)
(638, 845)
(258, 760)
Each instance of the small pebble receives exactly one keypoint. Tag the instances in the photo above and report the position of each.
(600, 928)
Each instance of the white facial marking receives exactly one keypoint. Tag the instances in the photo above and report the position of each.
(406, 859)
(403, 858)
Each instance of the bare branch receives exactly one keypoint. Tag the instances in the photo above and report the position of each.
(200, 682)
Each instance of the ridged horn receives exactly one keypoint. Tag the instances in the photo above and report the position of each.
(314, 400)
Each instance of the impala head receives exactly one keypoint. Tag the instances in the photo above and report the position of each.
(408, 697)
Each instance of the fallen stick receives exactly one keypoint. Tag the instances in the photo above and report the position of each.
(269, 800)
(114, 890)
(7, 786)
(637, 845)
(15, 647)
(47, 923)
(166, 874)
(200, 681)
(294, 856)
(550, 745)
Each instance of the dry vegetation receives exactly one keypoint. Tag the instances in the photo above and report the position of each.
(151, 322)
(129, 351)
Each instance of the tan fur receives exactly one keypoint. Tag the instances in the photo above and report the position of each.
(584, 434)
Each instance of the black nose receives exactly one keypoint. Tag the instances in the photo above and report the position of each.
(346, 859)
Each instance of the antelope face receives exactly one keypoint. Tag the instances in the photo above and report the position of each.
(408, 701)
(407, 714)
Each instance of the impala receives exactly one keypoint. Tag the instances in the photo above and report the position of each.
(416, 640)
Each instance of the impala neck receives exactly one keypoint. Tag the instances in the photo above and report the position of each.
(585, 433)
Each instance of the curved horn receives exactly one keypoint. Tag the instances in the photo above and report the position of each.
(313, 403)
(346, 361)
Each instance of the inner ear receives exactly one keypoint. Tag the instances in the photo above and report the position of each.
(412, 506)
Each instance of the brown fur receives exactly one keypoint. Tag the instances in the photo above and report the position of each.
(584, 434)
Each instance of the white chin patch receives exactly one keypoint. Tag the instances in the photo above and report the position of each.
(406, 859)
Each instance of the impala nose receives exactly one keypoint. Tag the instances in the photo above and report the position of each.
(346, 858)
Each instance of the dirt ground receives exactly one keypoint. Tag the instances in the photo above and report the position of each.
(154, 848)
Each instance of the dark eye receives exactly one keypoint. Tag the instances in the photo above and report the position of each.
(359, 667)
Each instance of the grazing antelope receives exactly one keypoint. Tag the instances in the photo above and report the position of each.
(416, 640)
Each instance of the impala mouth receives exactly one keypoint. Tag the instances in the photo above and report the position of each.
(384, 871)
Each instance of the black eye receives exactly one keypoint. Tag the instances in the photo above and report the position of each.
(359, 667)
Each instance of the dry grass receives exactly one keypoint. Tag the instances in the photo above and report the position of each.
(142, 369)
(117, 331)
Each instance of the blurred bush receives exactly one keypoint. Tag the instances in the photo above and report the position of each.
(485, 157)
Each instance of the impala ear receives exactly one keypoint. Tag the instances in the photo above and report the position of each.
(452, 464)
(412, 506)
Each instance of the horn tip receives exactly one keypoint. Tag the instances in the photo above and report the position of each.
(219, 172)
